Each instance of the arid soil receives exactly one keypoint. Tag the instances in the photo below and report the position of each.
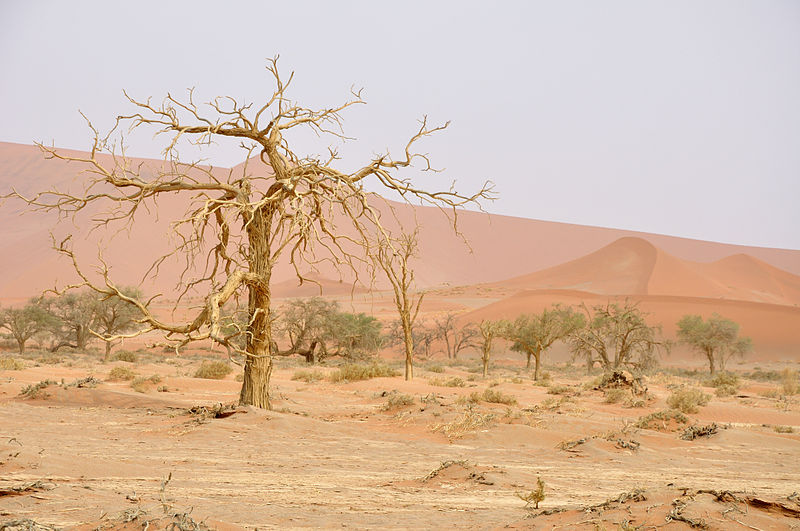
(386, 453)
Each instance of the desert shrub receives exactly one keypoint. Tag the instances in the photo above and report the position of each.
(11, 364)
(435, 368)
(37, 390)
(467, 422)
(763, 376)
(770, 393)
(308, 376)
(396, 401)
(162, 389)
(614, 396)
(121, 373)
(687, 399)
(352, 372)
(535, 496)
(213, 370)
(723, 379)
(726, 390)
(789, 382)
(545, 378)
(126, 355)
(516, 380)
(661, 419)
(50, 358)
(635, 402)
(558, 389)
(142, 384)
(783, 429)
(492, 396)
(450, 382)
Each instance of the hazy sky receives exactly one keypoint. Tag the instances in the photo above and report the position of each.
(675, 117)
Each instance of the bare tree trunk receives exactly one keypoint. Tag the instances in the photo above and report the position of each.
(408, 341)
(258, 365)
(108, 351)
(528, 365)
(21, 345)
(537, 356)
(711, 364)
(589, 364)
(485, 364)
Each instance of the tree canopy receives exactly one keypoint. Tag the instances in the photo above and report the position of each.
(717, 338)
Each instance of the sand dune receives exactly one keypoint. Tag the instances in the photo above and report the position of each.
(500, 246)
(634, 266)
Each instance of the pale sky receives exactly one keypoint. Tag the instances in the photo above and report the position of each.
(674, 117)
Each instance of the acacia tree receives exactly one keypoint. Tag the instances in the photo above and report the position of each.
(281, 205)
(393, 256)
(533, 334)
(75, 316)
(717, 338)
(489, 330)
(616, 336)
(455, 339)
(24, 323)
(317, 329)
(115, 316)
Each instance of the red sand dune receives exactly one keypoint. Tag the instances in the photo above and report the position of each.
(633, 266)
(501, 246)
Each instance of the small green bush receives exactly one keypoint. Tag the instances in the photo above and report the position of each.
(126, 355)
(352, 372)
(726, 390)
(11, 364)
(121, 374)
(308, 376)
(213, 370)
(687, 400)
(37, 390)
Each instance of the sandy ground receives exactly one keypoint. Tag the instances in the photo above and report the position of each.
(337, 455)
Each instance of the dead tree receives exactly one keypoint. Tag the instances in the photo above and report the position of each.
(455, 339)
(393, 257)
(279, 206)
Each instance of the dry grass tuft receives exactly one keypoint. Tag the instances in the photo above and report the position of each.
(468, 422)
(121, 374)
(353, 372)
(126, 355)
(615, 396)
(308, 376)
(661, 420)
(11, 364)
(396, 401)
(213, 370)
(142, 385)
(450, 382)
(687, 400)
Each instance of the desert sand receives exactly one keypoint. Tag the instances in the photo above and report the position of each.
(88, 451)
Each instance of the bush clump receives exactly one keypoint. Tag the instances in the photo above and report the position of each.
(352, 372)
(121, 374)
(438, 369)
(450, 382)
(687, 400)
(126, 355)
(396, 401)
(308, 376)
(783, 429)
(558, 389)
(723, 379)
(614, 396)
(661, 419)
(790, 382)
(213, 370)
(491, 396)
(142, 385)
(11, 364)
(726, 390)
